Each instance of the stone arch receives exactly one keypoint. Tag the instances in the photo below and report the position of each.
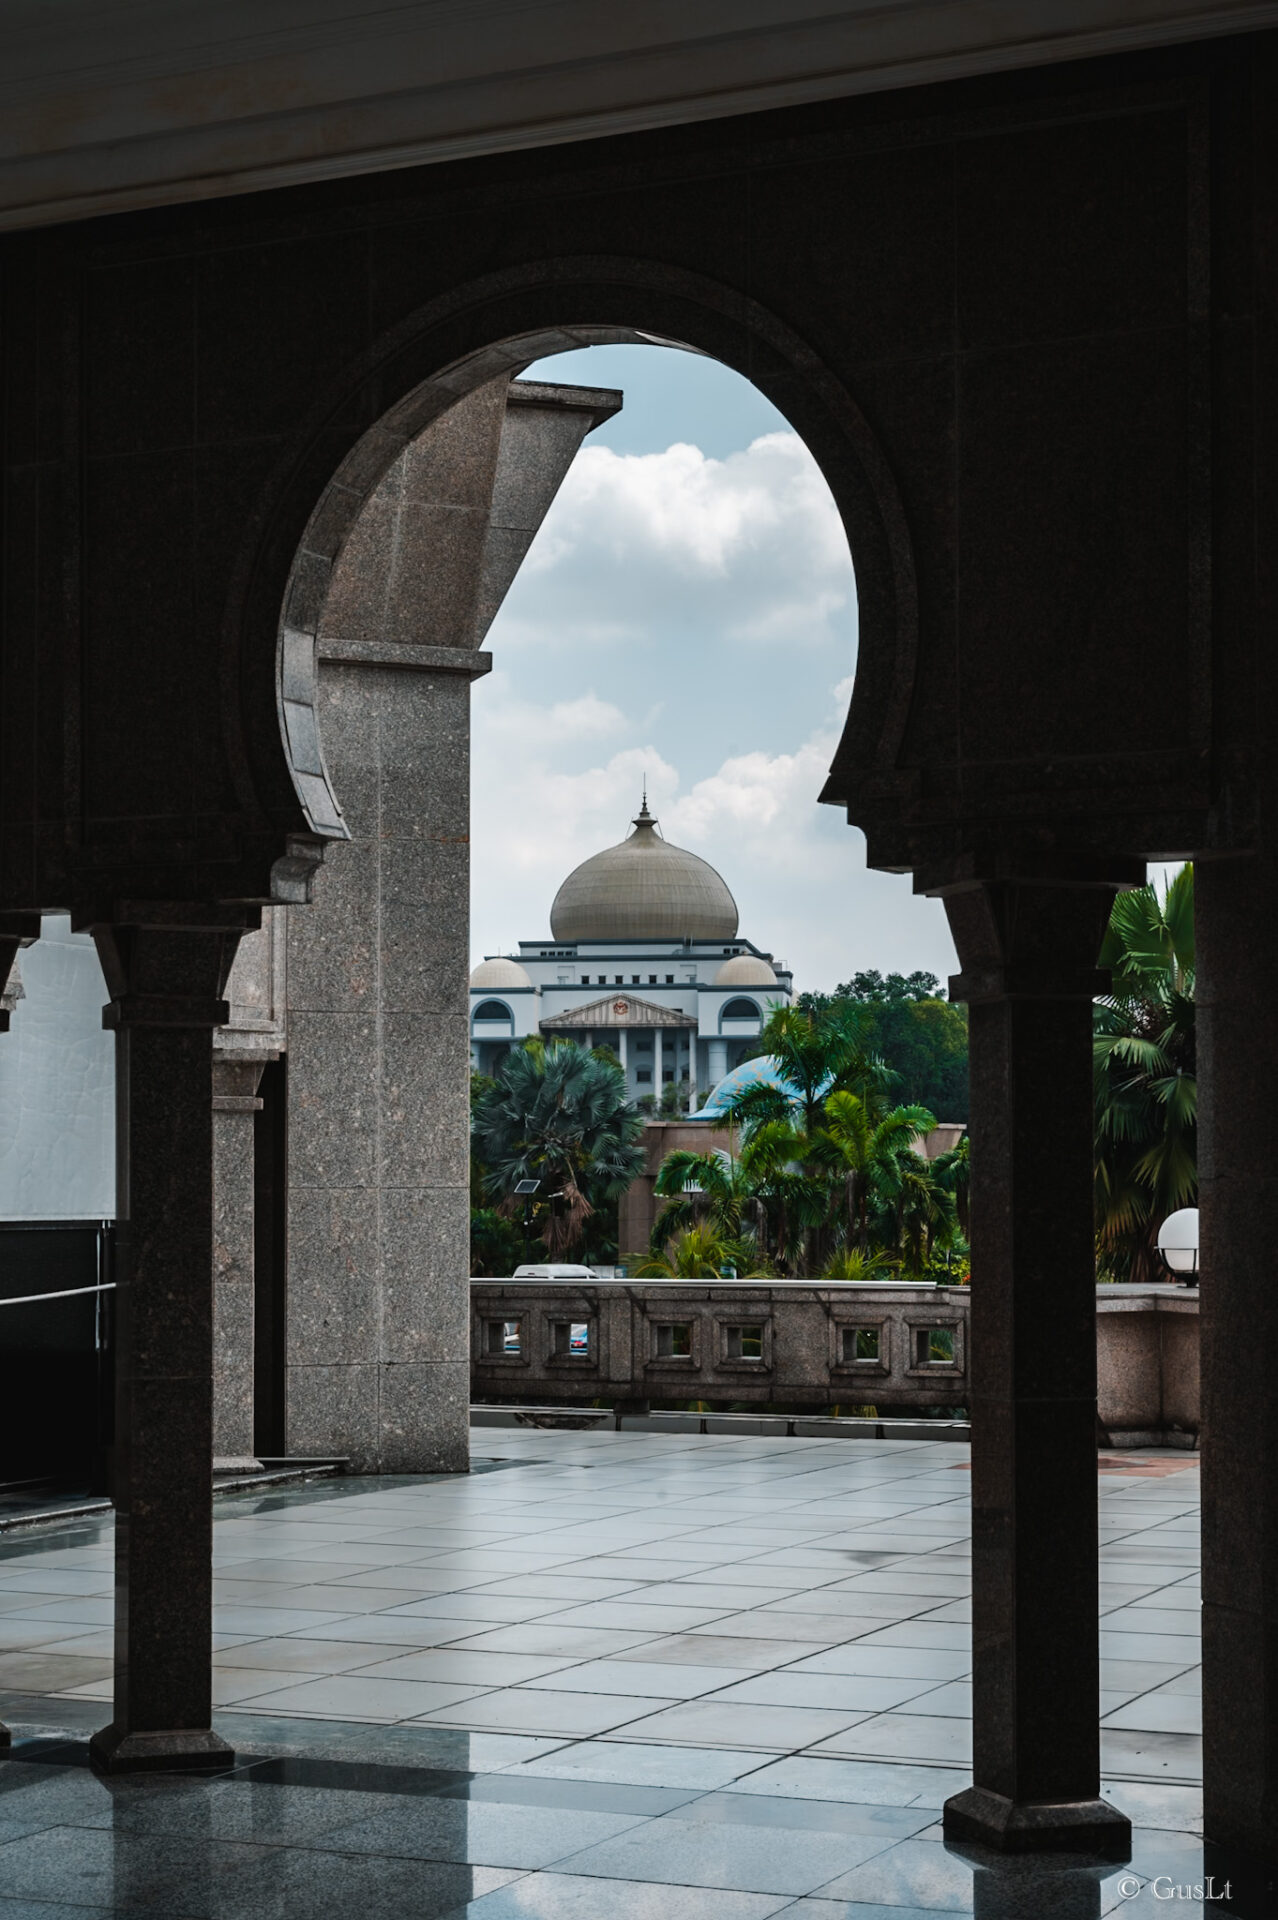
(482, 331)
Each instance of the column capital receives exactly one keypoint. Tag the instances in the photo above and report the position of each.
(167, 965)
(1032, 936)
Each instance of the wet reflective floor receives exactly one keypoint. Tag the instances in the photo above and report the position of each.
(607, 1677)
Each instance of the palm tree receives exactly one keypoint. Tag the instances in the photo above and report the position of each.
(790, 1189)
(709, 1188)
(817, 1051)
(1146, 1088)
(869, 1158)
(560, 1116)
(953, 1172)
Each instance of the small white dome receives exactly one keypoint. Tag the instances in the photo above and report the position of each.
(745, 970)
(500, 972)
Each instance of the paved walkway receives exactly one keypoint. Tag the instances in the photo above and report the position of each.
(641, 1676)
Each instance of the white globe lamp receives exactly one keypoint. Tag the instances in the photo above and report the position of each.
(1178, 1244)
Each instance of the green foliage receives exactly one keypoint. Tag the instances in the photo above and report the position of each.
(854, 1264)
(827, 1177)
(1145, 1079)
(699, 1253)
(496, 1244)
(906, 1022)
(819, 1050)
(560, 1116)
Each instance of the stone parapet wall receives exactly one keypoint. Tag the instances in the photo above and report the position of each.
(795, 1343)
(726, 1342)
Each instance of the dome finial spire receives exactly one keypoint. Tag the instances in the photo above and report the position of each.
(643, 818)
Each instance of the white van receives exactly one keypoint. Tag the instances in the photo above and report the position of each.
(554, 1270)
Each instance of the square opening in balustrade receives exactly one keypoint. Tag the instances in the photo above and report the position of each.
(861, 1345)
(674, 1342)
(572, 1339)
(934, 1346)
(504, 1337)
(744, 1343)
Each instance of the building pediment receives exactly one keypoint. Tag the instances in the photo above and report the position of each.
(615, 1010)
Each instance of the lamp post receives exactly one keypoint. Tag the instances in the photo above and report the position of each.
(525, 1189)
(1178, 1245)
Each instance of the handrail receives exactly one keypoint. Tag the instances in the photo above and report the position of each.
(68, 1293)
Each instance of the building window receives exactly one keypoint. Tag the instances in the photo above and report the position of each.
(667, 1073)
(674, 1342)
(619, 980)
(652, 979)
(643, 1074)
(491, 1013)
(634, 980)
(669, 979)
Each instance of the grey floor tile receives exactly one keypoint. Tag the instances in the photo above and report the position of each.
(671, 1679)
(822, 1777)
(892, 1663)
(482, 1833)
(680, 1852)
(1160, 1713)
(833, 1692)
(560, 1587)
(1152, 1756)
(910, 1873)
(719, 1650)
(541, 1710)
(477, 1670)
(645, 1765)
(355, 1697)
(709, 1723)
(289, 1655)
(501, 1609)
(905, 1736)
(823, 1816)
(574, 1643)
(558, 1896)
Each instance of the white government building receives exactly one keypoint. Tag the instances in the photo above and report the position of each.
(644, 957)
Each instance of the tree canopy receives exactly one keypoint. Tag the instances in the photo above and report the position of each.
(905, 1021)
(1145, 1076)
(560, 1116)
(827, 1179)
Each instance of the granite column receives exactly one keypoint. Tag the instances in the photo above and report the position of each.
(235, 1106)
(1028, 949)
(1236, 910)
(166, 979)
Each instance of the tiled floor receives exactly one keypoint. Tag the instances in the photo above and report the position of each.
(636, 1676)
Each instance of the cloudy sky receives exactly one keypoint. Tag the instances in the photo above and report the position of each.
(686, 614)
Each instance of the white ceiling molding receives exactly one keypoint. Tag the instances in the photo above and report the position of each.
(111, 104)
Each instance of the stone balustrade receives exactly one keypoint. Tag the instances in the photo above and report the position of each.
(804, 1344)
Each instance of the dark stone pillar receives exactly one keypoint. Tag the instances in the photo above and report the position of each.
(1236, 907)
(1028, 950)
(166, 982)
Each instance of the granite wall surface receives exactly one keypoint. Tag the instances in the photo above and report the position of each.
(377, 991)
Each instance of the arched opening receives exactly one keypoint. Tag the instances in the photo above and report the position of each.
(406, 557)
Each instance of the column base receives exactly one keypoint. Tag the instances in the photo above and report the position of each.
(185, 1750)
(1037, 1826)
